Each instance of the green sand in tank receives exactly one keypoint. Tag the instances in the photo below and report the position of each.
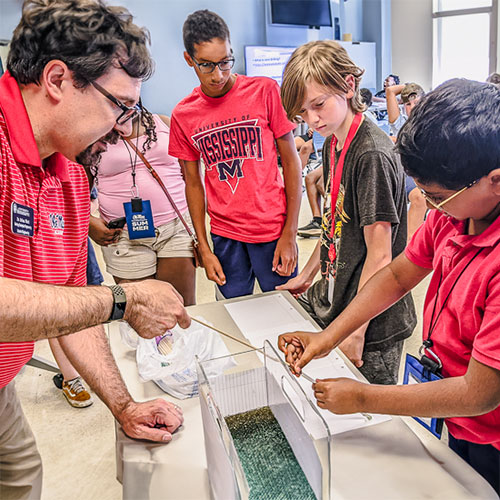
(270, 467)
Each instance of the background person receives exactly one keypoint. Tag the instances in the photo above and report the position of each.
(494, 78)
(168, 256)
(389, 81)
(411, 94)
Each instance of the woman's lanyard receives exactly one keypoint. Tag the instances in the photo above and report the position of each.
(135, 200)
(336, 176)
(428, 343)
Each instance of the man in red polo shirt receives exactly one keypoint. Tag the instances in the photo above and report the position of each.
(450, 145)
(72, 85)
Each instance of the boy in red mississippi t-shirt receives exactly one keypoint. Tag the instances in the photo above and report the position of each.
(235, 123)
(450, 145)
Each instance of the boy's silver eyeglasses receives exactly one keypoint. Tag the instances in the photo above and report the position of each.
(209, 67)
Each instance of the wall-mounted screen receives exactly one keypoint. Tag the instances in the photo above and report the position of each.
(301, 12)
(267, 61)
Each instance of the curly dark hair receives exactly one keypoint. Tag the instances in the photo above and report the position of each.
(203, 26)
(452, 136)
(150, 129)
(87, 35)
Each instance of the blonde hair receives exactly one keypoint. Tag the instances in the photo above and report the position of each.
(325, 62)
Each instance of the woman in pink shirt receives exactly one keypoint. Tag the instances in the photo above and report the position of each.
(168, 255)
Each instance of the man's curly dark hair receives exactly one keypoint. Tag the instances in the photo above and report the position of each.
(87, 35)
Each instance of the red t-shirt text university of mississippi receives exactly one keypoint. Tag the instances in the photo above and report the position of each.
(58, 194)
(235, 135)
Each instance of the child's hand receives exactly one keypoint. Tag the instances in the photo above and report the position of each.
(301, 347)
(296, 286)
(339, 395)
(285, 255)
(213, 269)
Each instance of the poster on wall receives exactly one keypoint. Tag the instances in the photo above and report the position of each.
(267, 61)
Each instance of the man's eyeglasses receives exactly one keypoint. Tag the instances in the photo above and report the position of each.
(209, 67)
(439, 206)
(128, 112)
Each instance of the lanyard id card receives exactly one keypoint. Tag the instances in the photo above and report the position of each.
(417, 373)
(139, 219)
(138, 211)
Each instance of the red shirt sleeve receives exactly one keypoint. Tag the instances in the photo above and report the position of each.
(180, 146)
(420, 250)
(278, 122)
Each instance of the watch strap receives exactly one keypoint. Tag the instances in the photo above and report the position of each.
(119, 302)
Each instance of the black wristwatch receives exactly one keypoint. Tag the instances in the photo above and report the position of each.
(119, 303)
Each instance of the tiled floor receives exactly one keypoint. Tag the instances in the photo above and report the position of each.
(77, 445)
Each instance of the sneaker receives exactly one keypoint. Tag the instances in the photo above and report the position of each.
(76, 394)
(312, 230)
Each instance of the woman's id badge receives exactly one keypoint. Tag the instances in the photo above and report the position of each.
(139, 219)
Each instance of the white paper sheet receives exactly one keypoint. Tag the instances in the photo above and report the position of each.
(264, 318)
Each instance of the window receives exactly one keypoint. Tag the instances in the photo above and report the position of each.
(464, 39)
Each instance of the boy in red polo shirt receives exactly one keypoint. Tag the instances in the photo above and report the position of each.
(450, 145)
(237, 125)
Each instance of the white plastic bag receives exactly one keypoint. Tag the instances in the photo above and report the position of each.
(175, 373)
(128, 335)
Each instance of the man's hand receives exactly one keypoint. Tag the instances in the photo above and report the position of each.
(212, 266)
(285, 255)
(154, 420)
(301, 347)
(297, 285)
(339, 395)
(153, 307)
(100, 233)
(353, 346)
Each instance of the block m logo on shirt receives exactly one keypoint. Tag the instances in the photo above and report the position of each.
(228, 146)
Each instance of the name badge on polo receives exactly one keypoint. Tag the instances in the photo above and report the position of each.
(22, 220)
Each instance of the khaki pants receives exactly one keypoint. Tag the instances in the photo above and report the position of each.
(20, 462)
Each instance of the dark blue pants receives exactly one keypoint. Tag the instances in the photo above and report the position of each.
(94, 275)
(242, 263)
(484, 458)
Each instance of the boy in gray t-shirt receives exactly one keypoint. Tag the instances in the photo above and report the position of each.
(370, 216)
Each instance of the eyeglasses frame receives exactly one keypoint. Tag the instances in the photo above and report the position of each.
(133, 110)
(214, 65)
(439, 206)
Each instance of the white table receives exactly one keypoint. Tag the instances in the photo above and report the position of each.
(393, 460)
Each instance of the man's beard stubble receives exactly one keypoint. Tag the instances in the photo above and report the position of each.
(91, 156)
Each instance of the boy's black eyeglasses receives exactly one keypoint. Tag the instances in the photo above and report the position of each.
(128, 112)
(209, 67)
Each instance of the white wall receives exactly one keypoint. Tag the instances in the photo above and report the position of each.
(412, 41)
(173, 79)
(10, 12)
